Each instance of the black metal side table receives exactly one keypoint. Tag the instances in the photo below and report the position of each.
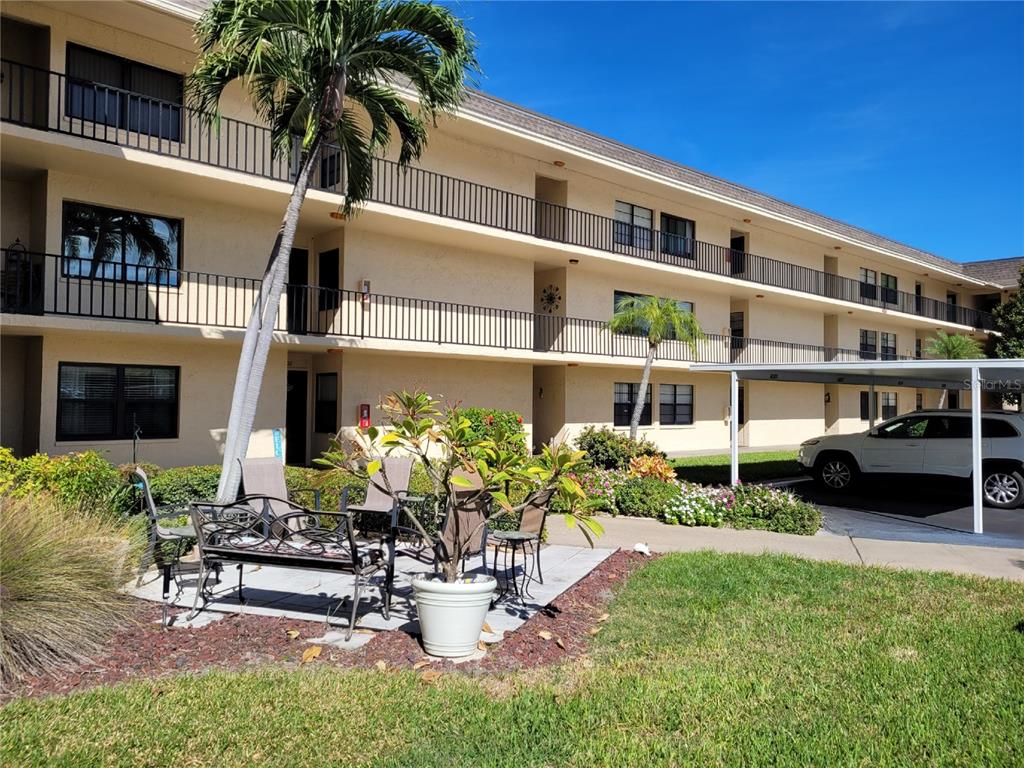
(513, 543)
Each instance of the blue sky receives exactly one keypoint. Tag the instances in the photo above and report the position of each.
(906, 119)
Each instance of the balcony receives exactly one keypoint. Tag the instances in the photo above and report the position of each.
(52, 102)
(46, 284)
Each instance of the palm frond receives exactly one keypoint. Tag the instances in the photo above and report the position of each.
(292, 56)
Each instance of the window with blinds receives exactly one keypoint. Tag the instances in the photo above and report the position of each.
(107, 89)
(115, 402)
(677, 235)
(625, 401)
(868, 344)
(633, 225)
(888, 346)
(675, 404)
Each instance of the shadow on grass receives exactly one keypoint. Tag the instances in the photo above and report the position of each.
(749, 472)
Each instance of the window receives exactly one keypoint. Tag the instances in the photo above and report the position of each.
(736, 324)
(997, 428)
(329, 277)
(113, 402)
(121, 93)
(889, 410)
(918, 402)
(888, 346)
(948, 427)
(633, 225)
(112, 244)
(741, 405)
(625, 402)
(953, 399)
(910, 428)
(677, 236)
(890, 292)
(918, 352)
(675, 403)
(330, 169)
(868, 344)
(325, 411)
(868, 283)
(865, 411)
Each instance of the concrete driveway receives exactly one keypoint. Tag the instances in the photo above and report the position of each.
(913, 509)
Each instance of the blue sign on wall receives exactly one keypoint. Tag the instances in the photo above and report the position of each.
(278, 449)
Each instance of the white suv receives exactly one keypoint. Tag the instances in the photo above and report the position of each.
(926, 443)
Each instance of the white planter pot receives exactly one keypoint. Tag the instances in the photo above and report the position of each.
(452, 615)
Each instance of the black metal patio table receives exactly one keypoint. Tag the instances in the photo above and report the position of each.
(512, 542)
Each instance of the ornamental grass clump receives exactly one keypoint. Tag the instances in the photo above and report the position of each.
(61, 570)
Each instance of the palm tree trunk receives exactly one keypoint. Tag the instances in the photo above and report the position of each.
(259, 334)
(641, 396)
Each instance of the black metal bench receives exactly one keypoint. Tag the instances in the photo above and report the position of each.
(274, 532)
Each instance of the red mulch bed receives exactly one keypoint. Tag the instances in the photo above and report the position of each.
(142, 650)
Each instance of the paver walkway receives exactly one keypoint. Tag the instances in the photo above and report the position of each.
(301, 594)
(946, 553)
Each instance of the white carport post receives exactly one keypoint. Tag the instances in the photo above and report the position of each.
(734, 428)
(976, 478)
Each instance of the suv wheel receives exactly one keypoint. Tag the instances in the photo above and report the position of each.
(1003, 488)
(836, 473)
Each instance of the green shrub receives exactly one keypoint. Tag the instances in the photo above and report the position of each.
(608, 449)
(61, 572)
(83, 479)
(181, 485)
(772, 509)
(644, 496)
(504, 427)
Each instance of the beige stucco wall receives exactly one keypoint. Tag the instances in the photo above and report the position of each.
(549, 398)
(398, 266)
(590, 397)
(206, 381)
(367, 377)
(849, 406)
(12, 393)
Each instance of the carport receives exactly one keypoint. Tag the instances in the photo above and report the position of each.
(976, 376)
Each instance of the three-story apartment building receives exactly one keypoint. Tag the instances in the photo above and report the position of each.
(134, 237)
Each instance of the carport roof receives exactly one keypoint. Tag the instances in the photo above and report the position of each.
(997, 375)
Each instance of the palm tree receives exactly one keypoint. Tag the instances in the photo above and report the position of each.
(952, 346)
(109, 232)
(659, 320)
(323, 73)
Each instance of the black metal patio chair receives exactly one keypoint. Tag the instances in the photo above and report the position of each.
(178, 539)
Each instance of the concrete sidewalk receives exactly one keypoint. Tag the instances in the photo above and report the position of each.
(995, 562)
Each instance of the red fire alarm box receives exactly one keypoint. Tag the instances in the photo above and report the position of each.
(364, 415)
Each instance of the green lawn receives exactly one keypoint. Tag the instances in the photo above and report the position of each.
(707, 659)
(754, 467)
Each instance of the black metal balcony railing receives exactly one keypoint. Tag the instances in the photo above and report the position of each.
(51, 101)
(45, 284)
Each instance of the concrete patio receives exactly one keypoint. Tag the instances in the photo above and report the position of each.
(307, 595)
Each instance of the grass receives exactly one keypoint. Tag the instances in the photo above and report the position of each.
(707, 659)
(754, 467)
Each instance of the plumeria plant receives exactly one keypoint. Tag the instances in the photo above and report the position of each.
(440, 438)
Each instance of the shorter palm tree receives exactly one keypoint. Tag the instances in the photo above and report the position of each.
(659, 320)
(952, 346)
